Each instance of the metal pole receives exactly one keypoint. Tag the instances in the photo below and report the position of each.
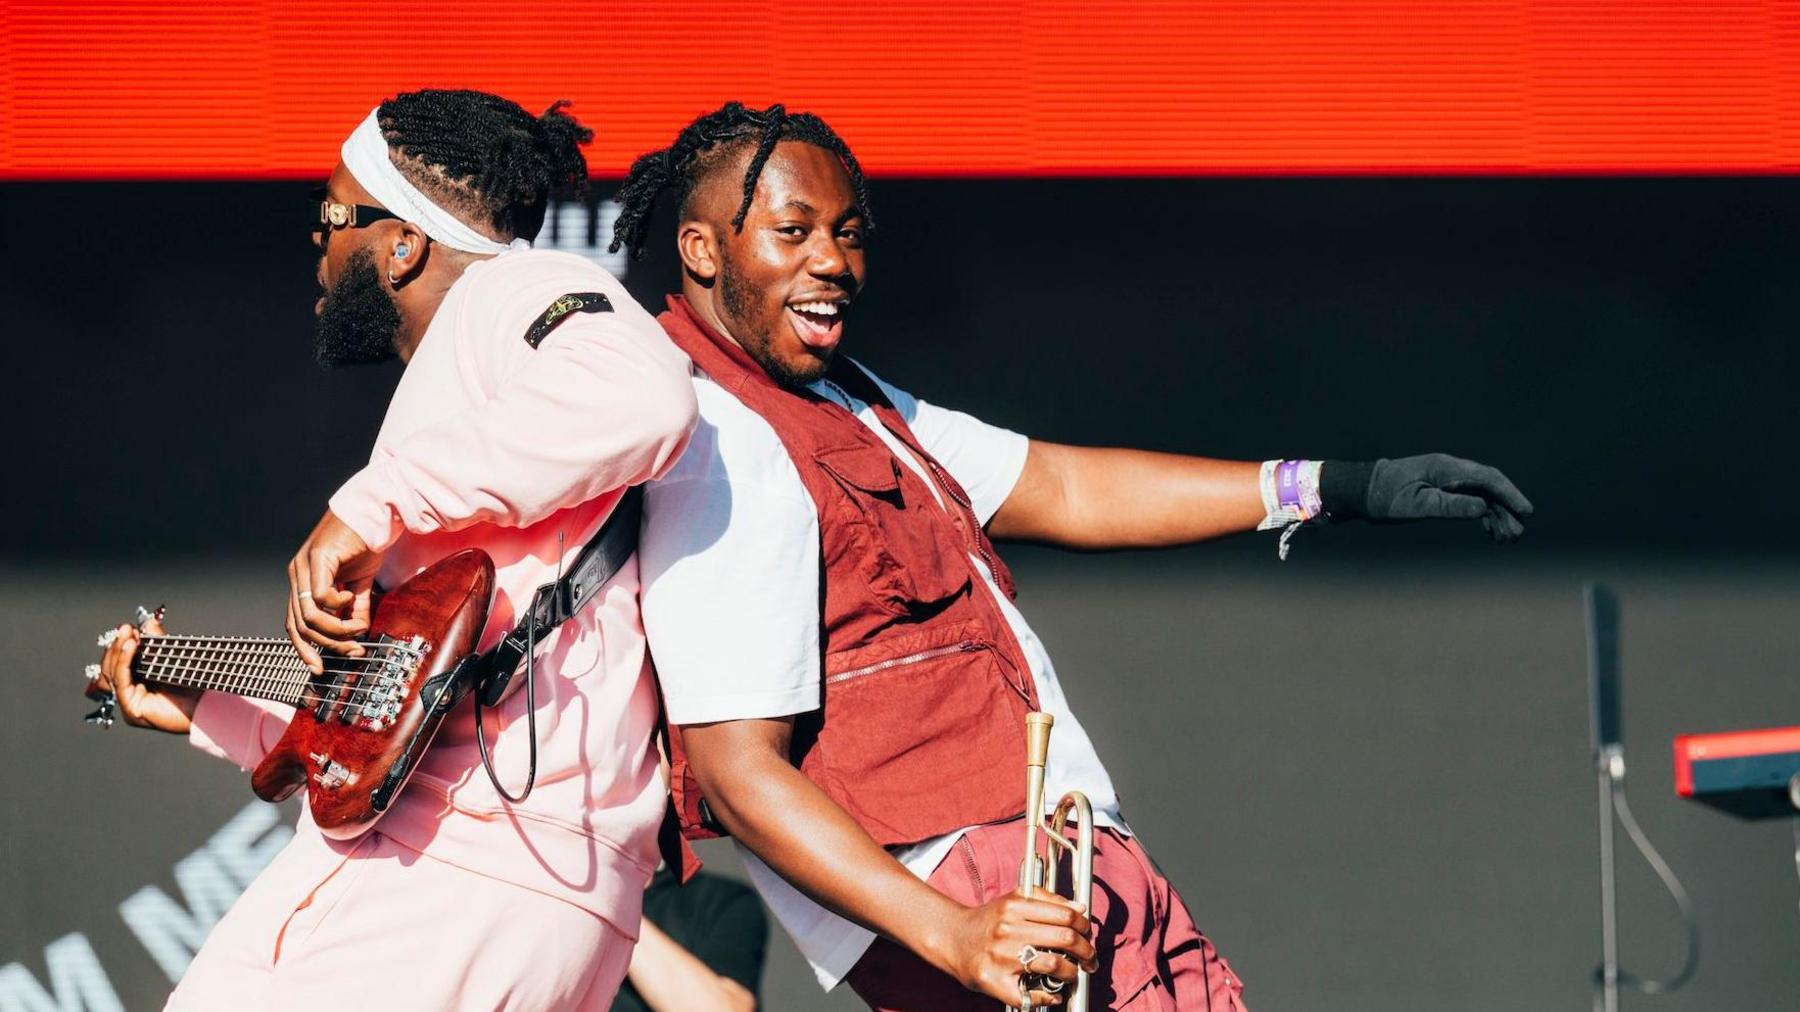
(1611, 767)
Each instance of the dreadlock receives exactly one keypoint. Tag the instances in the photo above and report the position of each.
(484, 156)
(703, 145)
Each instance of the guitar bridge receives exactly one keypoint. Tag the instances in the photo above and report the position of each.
(385, 682)
(371, 694)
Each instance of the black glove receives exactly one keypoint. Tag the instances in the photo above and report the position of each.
(1416, 488)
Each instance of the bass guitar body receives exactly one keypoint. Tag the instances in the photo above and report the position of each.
(359, 729)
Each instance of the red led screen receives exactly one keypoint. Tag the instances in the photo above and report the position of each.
(264, 89)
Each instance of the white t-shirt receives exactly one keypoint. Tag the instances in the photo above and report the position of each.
(729, 560)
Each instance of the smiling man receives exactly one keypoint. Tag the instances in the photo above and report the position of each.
(536, 391)
(834, 631)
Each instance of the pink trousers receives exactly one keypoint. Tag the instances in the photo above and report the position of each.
(375, 925)
(1152, 957)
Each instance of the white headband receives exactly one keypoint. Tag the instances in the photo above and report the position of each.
(365, 154)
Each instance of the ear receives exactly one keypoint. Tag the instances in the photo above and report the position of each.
(402, 256)
(698, 245)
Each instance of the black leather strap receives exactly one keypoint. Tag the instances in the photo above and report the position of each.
(554, 603)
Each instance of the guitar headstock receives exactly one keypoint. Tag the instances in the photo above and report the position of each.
(105, 713)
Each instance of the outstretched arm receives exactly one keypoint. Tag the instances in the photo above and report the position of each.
(1090, 497)
(1096, 498)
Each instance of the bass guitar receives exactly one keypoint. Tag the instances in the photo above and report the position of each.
(360, 726)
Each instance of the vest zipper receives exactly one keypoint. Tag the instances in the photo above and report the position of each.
(967, 850)
(968, 509)
(987, 557)
(894, 662)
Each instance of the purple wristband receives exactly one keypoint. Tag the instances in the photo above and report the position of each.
(1293, 492)
(1287, 484)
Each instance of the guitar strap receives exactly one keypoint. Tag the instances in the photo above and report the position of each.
(555, 603)
(552, 605)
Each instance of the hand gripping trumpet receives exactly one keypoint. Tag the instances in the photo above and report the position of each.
(1039, 872)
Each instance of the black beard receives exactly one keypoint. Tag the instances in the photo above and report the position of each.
(359, 322)
(739, 296)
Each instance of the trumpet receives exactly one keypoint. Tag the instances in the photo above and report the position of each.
(1038, 869)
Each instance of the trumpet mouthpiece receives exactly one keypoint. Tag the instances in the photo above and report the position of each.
(1037, 737)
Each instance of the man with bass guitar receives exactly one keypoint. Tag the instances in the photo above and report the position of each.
(536, 391)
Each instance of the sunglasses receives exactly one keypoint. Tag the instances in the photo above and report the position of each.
(327, 214)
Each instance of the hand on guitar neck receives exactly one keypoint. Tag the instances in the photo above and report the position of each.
(331, 579)
(162, 707)
(357, 729)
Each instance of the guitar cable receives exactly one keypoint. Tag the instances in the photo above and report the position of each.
(487, 762)
(1797, 835)
(1690, 922)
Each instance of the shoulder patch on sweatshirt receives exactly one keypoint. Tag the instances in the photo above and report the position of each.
(564, 307)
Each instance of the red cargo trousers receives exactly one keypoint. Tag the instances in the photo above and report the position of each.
(1152, 957)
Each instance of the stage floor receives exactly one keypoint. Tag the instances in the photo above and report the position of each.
(1369, 776)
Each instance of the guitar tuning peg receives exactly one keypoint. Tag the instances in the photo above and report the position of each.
(103, 715)
(107, 637)
(92, 672)
(144, 615)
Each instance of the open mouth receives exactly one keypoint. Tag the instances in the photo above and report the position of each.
(818, 322)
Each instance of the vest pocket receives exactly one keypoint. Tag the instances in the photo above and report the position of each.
(897, 548)
(922, 734)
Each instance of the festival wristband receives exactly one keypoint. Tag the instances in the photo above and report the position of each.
(1290, 493)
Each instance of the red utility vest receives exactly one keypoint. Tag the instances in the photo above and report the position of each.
(921, 728)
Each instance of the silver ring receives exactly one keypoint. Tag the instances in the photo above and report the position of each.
(1027, 953)
(305, 595)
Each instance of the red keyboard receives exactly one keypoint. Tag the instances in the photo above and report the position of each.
(1746, 773)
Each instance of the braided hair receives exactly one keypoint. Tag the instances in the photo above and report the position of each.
(703, 146)
(484, 157)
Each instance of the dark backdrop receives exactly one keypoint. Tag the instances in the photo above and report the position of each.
(1623, 347)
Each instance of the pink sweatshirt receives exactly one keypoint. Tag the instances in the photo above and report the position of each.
(491, 444)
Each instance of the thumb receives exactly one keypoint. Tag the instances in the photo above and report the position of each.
(326, 592)
(360, 607)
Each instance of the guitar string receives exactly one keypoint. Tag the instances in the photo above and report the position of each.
(274, 650)
(196, 662)
(216, 664)
(201, 663)
(284, 651)
(276, 671)
(212, 666)
(249, 641)
(272, 661)
(206, 672)
(200, 669)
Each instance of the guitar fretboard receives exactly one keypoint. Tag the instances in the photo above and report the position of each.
(264, 668)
